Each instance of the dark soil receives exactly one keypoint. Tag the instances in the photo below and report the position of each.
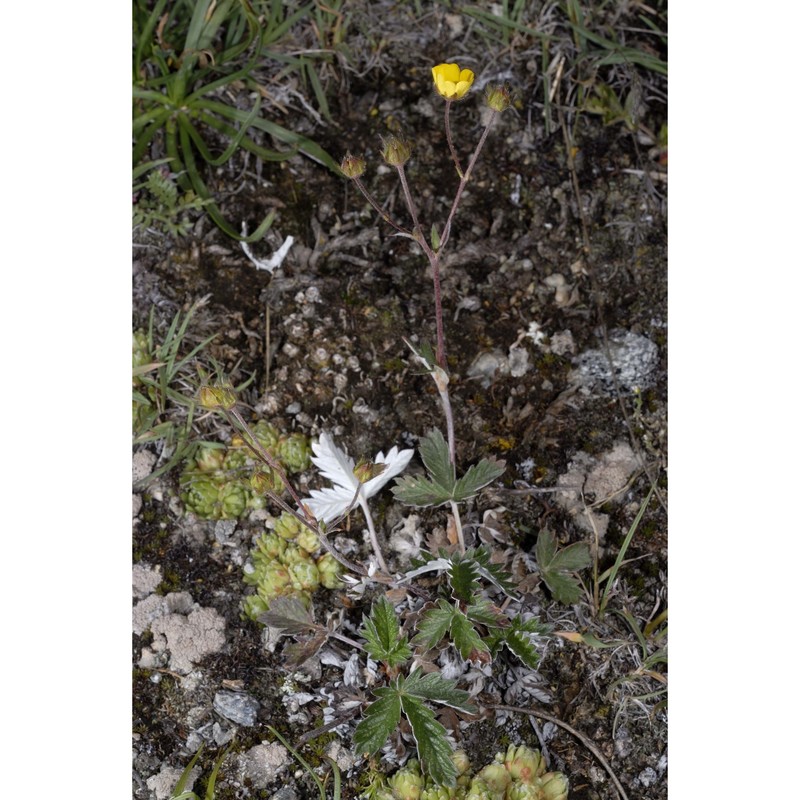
(340, 364)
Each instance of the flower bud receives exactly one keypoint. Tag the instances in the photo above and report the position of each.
(554, 786)
(253, 606)
(523, 764)
(274, 582)
(233, 500)
(396, 150)
(498, 98)
(220, 395)
(451, 82)
(209, 458)
(478, 790)
(304, 576)
(287, 526)
(461, 761)
(496, 778)
(366, 470)
(329, 571)
(266, 434)
(293, 450)
(407, 783)
(353, 166)
(264, 481)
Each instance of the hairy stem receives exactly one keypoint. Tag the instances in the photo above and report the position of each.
(447, 104)
(373, 535)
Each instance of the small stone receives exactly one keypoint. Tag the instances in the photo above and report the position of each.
(238, 707)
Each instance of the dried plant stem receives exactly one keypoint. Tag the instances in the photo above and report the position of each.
(585, 741)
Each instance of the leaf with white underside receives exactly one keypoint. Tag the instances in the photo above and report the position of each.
(440, 485)
(335, 465)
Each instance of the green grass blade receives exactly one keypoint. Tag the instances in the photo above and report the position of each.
(623, 550)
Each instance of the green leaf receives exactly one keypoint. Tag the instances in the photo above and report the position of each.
(555, 566)
(572, 558)
(433, 625)
(484, 612)
(476, 477)
(438, 689)
(382, 633)
(466, 638)
(516, 637)
(464, 577)
(436, 458)
(492, 572)
(380, 719)
(565, 588)
(431, 738)
(415, 490)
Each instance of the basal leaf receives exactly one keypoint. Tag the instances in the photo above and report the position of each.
(382, 633)
(380, 719)
(416, 490)
(433, 625)
(438, 689)
(430, 735)
(572, 558)
(486, 613)
(463, 576)
(517, 639)
(565, 588)
(476, 477)
(436, 457)
(466, 639)
(290, 616)
(492, 572)
(545, 548)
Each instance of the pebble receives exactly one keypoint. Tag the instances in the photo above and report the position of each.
(238, 707)
(634, 358)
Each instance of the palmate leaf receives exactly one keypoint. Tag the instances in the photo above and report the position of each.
(434, 750)
(555, 566)
(380, 719)
(438, 689)
(440, 486)
(434, 625)
(516, 637)
(290, 616)
(382, 633)
(437, 622)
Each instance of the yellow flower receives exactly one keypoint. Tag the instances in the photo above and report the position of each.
(451, 82)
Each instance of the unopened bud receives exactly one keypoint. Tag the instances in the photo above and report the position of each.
(219, 396)
(353, 166)
(396, 150)
(498, 98)
(366, 471)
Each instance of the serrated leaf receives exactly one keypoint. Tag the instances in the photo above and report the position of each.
(380, 719)
(436, 458)
(565, 588)
(572, 558)
(545, 548)
(463, 575)
(485, 613)
(433, 625)
(382, 633)
(439, 690)
(290, 616)
(476, 477)
(515, 639)
(430, 565)
(416, 490)
(554, 567)
(466, 638)
(297, 653)
(430, 735)
(492, 572)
